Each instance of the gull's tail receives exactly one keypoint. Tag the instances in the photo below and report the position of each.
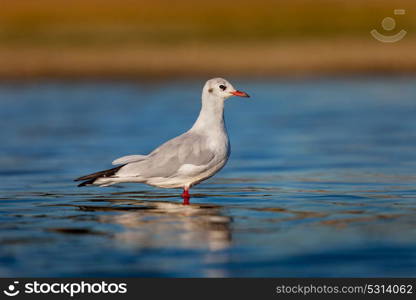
(91, 178)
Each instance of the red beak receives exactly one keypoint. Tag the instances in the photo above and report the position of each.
(240, 94)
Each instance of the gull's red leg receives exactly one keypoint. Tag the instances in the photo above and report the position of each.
(185, 195)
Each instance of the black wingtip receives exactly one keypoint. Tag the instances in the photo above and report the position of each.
(90, 178)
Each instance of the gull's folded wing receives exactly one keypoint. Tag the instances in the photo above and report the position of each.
(128, 159)
(169, 159)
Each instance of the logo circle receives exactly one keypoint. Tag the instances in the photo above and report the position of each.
(388, 23)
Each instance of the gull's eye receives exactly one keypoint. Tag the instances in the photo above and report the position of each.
(223, 87)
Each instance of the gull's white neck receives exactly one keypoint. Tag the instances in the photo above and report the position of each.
(211, 116)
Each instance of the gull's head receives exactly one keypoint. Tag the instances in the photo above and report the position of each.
(221, 88)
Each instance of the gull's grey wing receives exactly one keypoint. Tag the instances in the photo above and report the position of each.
(128, 159)
(166, 160)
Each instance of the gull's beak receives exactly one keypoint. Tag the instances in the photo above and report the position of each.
(239, 94)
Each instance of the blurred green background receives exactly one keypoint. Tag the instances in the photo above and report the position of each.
(109, 38)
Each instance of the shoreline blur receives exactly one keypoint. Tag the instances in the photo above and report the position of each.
(103, 39)
(290, 59)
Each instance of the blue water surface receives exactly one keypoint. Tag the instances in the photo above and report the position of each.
(321, 181)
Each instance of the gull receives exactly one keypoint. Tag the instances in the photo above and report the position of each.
(185, 160)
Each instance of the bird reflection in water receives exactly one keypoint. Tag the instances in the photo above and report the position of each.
(156, 224)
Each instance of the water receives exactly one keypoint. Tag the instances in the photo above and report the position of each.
(321, 181)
